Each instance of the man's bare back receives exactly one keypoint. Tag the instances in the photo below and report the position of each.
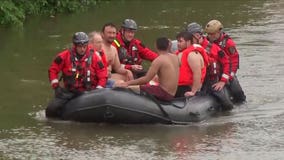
(168, 71)
(166, 67)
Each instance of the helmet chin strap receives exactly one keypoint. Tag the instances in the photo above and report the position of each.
(79, 56)
(219, 35)
(123, 37)
(198, 38)
(215, 39)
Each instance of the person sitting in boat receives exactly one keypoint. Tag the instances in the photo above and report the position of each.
(82, 70)
(97, 41)
(218, 69)
(116, 72)
(131, 51)
(214, 29)
(194, 61)
(166, 67)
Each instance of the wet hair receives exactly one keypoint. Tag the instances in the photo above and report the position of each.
(185, 35)
(108, 25)
(162, 43)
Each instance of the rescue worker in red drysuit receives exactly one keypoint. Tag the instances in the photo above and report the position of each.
(217, 75)
(225, 42)
(82, 70)
(130, 50)
(194, 61)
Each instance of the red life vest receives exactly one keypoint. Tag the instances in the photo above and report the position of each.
(226, 43)
(185, 72)
(102, 57)
(218, 68)
(79, 74)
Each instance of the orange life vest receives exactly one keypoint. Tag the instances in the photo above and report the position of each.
(186, 74)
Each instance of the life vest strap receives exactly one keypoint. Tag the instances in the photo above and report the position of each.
(117, 43)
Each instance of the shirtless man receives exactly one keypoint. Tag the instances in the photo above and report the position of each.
(166, 67)
(108, 36)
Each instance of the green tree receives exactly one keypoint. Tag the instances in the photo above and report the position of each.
(14, 12)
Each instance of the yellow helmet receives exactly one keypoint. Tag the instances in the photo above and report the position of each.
(213, 26)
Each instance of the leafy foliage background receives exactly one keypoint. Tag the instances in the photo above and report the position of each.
(15, 12)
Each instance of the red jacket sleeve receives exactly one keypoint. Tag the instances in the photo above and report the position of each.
(100, 70)
(145, 52)
(223, 59)
(233, 54)
(55, 67)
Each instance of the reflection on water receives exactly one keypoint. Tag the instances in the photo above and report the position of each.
(68, 140)
(245, 134)
(223, 137)
(251, 131)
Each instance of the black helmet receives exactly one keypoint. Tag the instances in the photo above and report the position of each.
(80, 38)
(194, 28)
(130, 24)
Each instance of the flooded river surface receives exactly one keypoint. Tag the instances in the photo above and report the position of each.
(251, 131)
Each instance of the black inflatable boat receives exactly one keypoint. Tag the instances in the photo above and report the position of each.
(125, 106)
